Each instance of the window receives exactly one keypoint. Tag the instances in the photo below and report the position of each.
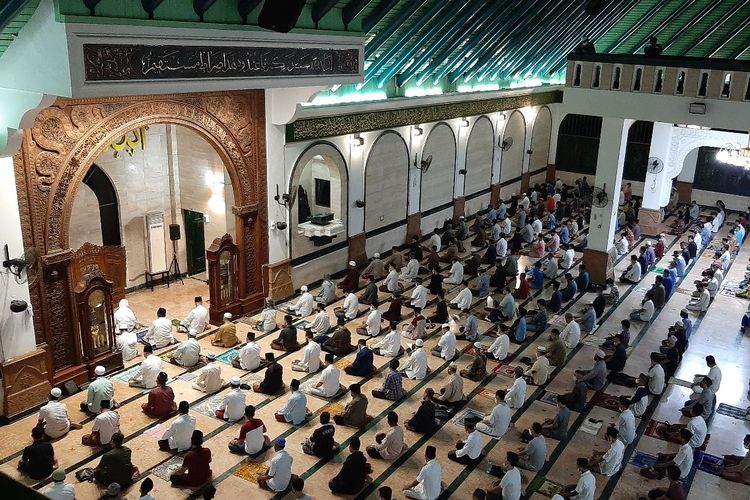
(616, 78)
(702, 88)
(680, 89)
(726, 86)
(637, 80)
(659, 81)
(577, 76)
(323, 193)
(597, 76)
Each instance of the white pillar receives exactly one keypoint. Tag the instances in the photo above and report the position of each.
(658, 187)
(609, 170)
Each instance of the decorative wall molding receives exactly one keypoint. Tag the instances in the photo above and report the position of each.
(331, 126)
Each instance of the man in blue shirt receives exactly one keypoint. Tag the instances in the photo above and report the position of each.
(537, 276)
(583, 279)
(571, 289)
(706, 234)
(362, 365)
(668, 283)
(687, 323)
(392, 388)
(564, 234)
(470, 330)
(555, 302)
(518, 329)
(679, 263)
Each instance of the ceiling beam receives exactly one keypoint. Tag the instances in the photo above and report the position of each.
(439, 43)
(450, 21)
(689, 25)
(384, 34)
(321, 8)
(636, 26)
(712, 29)
(378, 13)
(9, 10)
(739, 30)
(352, 10)
(438, 9)
(669, 19)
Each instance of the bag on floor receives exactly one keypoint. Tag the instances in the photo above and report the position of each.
(86, 474)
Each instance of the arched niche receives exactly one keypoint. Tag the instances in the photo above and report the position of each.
(320, 183)
(437, 183)
(511, 161)
(578, 144)
(541, 136)
(479, 150)
(386, 181)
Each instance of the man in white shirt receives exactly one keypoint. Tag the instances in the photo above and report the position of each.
(571, 334)
(456, 273)
(463, 299)
(105, 424)
(197, 319)
(645, 312)
(188, 353)
(280, 471)
(411, 270)
(390, 283)
(536, 225)
(418, 295)
(267, 321)
(54, 416)
(147, 372)
(586, 487)
(177, 437)
(714, 373)
(609, 462)
(127, 343)
(124, 316)
(435, 241)
(682, 459)
(446, 347)
(416, 366)
(351, 306)
(501, 246)
(310, 361)
(568, 257)
(327, 293)
(295, 411)
(60, 490)
(390, 345)
(499, 348)
(209, 377)
(538, 373)
(632, 274)
(328, 384)
(524, 202)
(468, 451)
(496, 424)
(550, 267)
(626, 421)
(321, 323)
(232, 407)
(509, 487)
(428, 484)
(506, 227)
(248, 357)
(655, 375)
(622, 245)
(700, 304)
(160, 333)
(371, 324)
(304, 305)
(516, 396)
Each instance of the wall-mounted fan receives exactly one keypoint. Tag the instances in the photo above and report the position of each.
(423, 165)
(287, 199)
(24, 268)
(654, 165)
(599, 197)
(506, 144)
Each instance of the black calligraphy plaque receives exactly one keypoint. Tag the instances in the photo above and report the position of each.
(107, 62)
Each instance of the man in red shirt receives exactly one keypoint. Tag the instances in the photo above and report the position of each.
(160, 399)
(252, 439)
(195, 469)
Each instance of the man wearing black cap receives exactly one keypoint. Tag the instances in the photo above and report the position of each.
(197, 318)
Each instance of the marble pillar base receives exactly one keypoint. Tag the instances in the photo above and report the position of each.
(279, 276)
(357, 248)
(525, 178)
(600, 265)
(413, 226)
(459, 206)
(650, 221)
(495, 193)
(551, 172)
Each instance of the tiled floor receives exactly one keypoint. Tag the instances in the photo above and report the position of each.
(717, 334)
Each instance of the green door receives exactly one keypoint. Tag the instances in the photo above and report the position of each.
(195, 241)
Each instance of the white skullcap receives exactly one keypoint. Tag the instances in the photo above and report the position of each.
(376, 255)
(303, 288)
(541, 349)
(228, 315)
(600, 354)
(352, 263)
(100, 370)
(211, 355)
(56, 392)
(193, 332)
(445, 325)
(234, 381)
(419, 342)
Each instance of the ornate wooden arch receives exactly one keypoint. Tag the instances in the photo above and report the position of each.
(66, 139)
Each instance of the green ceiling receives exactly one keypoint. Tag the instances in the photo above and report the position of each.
(446, 44)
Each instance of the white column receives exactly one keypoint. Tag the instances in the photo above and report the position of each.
(609, 169)
(658, 187)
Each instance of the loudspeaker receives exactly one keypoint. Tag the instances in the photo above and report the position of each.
(594, 6)
(174, 232)
(280, 16)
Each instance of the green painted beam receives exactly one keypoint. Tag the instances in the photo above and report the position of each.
(352, 10)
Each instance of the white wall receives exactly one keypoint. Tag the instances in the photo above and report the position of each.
(16, 329)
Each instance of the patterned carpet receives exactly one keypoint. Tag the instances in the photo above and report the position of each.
(166, 469)
(251, 471)
(465, 413)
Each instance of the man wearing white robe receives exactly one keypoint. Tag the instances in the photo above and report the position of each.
(310, 361)
(124, 316)
(188, 353)
(127, 344)
(351, 306)
(327, 293)
(209, 377)
(328, 384)
(498, 421)
(267, 321)
(416, 366)
(456, 275)
(390, 345)
(148, 370)
(516, 396)
(410, 271)
(197, 319)
(464, 298)
(304, 305)
(419, 295)
(160, 333)
(391, 281)
(178, 436)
